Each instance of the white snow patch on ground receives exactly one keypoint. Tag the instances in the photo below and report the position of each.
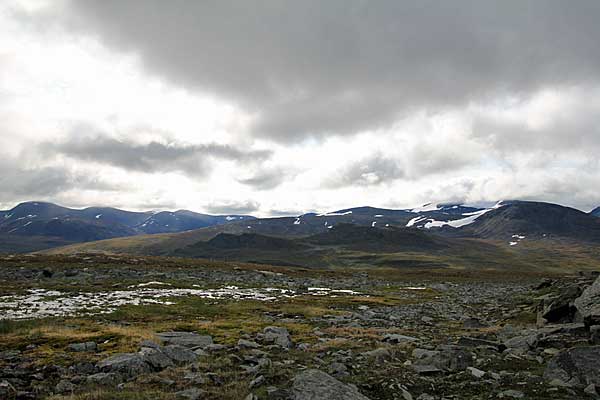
(413, 221)
(373, 224)
(517, 238)
(41, 303)
(229, 218)
(426, 207)
(334, 214)
(151, 283)
(378, 216)
(457, 223)
(297, 221)
(98, 216)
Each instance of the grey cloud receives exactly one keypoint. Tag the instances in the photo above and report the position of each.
(309, 68)
(373, 170)
(579, 132)
(151, 157)
(267, 179)
(233, 207)
(424, 160)
(24, 183)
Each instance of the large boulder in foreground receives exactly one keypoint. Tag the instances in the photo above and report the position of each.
(313, 384)
(588, 304)
(577, 366)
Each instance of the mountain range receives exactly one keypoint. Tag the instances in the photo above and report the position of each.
(515, 233)
(36, 225)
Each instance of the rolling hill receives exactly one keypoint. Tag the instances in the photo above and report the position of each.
(33, 226)
(528, 220)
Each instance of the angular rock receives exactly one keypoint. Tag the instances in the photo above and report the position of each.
(278, 335)
(179, 354)
(87, 346)
(189, 394)
(109, 379)
(560, 308)
(247, 344)
(473, 323)
(511, 394)
(426, 369)
(186, 339)
(588, 304)
(576, 366)
(595, 334)
(64, 386)
(465, 341)
(379, 355)
(398, 339)
(313, 384)
(155, 358)
(477, 373)
(129, 364)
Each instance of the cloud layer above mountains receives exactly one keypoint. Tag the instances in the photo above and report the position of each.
(300, 105)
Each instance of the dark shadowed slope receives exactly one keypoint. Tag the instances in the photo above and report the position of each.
(535, 220)
(37, 225)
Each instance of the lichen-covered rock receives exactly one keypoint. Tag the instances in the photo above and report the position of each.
(185, 339)
(179, 354)
(588, 304)
(577, 366)
(313, 384)
(278, 335)
(129, 364)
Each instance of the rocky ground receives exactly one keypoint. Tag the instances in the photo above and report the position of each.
(360, 334)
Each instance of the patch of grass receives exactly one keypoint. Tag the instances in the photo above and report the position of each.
(118, 395)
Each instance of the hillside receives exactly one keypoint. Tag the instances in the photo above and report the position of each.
(527, 220)
(33, 226)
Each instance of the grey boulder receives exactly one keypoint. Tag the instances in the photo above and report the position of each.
(577, 366)
(313, 384)
(277, 335)
(185, 339)
(588, 304)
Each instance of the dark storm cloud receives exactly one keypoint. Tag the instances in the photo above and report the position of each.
(373, 170)
(233, 207)
(151, 157)
(309, 68)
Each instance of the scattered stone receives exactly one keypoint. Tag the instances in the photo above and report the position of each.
(473, 323)
(156, 358)
(591, 390)
(477, 373)
(313, 384)
(87, 346)
(511, 394)
(179, 354)
(277, 335)
(189, 394)
(247, 344)
(64, 386)
(186, 339)
(399, 339)
(256, 382)
(129, 364)
(104, 379)
(588, 304)
(576, 366)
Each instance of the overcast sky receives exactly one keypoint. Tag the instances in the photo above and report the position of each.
(282, 107)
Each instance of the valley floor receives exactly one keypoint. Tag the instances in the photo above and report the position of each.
(108, 327)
